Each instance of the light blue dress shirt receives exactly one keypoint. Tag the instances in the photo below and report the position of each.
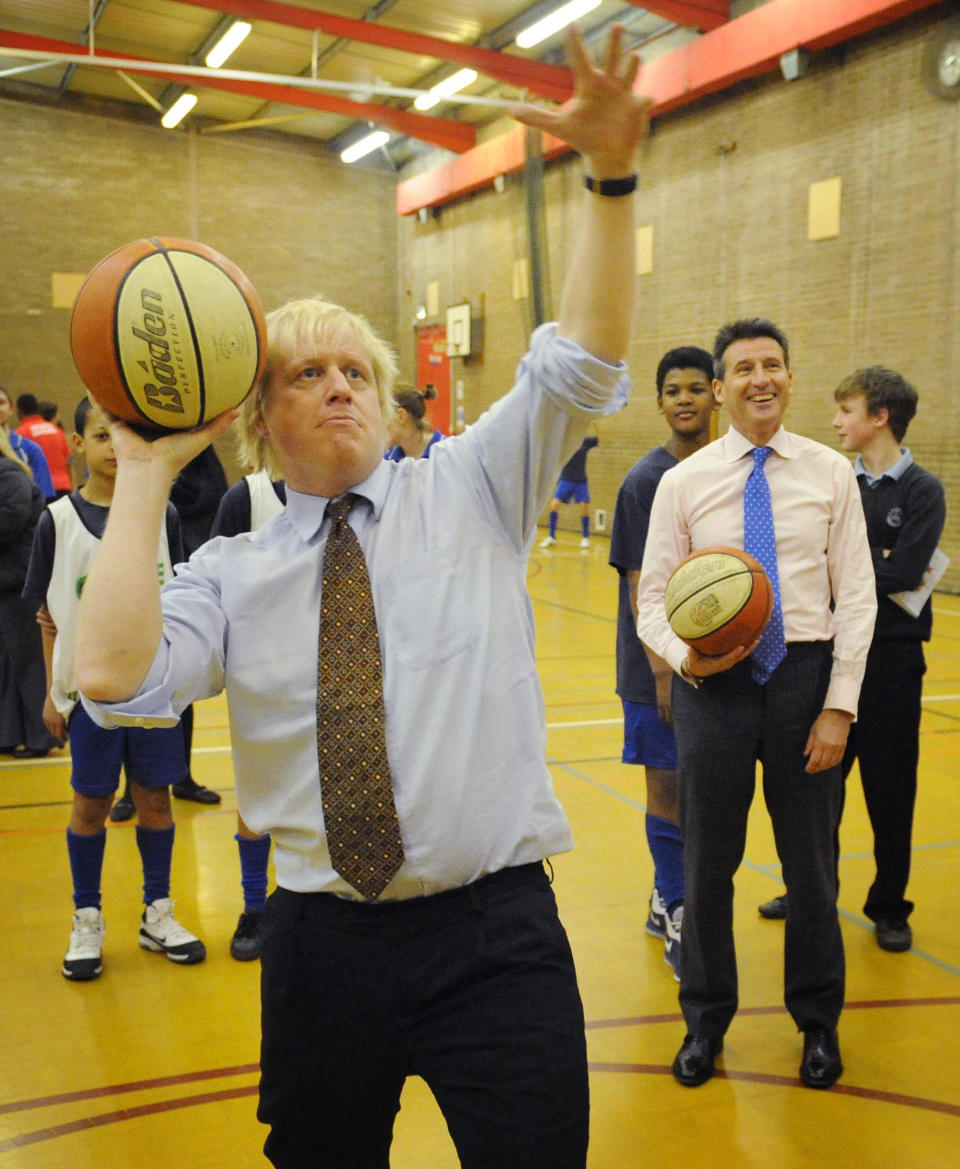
(446, 541)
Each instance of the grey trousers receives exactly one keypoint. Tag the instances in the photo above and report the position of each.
(723, 729)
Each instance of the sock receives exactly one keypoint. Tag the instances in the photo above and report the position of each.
(585, 526)
(666, 848)
(553, 524)
(86, 865)
(254, 854)
(156, 853)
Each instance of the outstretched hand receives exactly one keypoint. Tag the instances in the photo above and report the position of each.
(605, 120)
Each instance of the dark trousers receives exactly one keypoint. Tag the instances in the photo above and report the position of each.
(23, 677)
(722, 730)
(886, 741)
(474, 990)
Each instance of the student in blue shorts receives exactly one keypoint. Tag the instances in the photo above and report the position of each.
(64, 547)
(685, 398)
(573, 485)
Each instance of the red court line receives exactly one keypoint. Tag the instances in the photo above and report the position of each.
(791, 1082)
(133, 1086)
(59, 1130)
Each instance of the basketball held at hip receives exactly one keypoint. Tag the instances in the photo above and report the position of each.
(717, 599)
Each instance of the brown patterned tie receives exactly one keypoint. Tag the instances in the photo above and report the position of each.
(363, 833)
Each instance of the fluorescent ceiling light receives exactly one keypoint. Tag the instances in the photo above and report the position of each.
(557, 20)
(452, 84)
(364, 146)
(179, 110)
(235, 35)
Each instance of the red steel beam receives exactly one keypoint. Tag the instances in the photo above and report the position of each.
(444, 132)
(752, 44)
(551, 81)
(746, 47)
(705, 14)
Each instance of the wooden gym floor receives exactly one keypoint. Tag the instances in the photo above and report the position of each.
(154, 1065)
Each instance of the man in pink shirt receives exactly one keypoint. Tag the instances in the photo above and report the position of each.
(51, 440)
(794, 721)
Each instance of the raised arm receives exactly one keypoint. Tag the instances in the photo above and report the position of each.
(605, 121)
(120, 621)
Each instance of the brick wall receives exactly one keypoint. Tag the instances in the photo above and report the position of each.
(74, 186)
(725, 186)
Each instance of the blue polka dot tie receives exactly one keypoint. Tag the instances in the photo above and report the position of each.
(363, 832)
(759, 539)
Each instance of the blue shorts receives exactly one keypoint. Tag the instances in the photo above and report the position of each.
(151, 757)
(567, 490)
(646, 738)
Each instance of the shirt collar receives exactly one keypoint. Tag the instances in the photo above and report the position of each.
(738, 445)
(306, 512)
(895, 472)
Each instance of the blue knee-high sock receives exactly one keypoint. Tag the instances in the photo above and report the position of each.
(666, 848)
(254, 854)
(585, 526)
(156, 853)
(553, 523)
(86, 865)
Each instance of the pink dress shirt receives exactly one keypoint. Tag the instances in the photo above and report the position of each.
(822, 549)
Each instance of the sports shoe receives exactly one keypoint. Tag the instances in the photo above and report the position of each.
(84, 957)
(548, 542)
(656, 925)
(247, 940)
(671, 947)
(189, 789)
(161, 932)
(585, 542)
(895, 936)
(122, 810)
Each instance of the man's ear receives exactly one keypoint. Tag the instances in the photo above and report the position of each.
(718, 391)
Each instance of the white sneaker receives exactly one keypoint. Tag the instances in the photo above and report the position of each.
(548, 542)
(161, 932)
(656, 925)
(84, 957)
(671, 946)
(585, 542)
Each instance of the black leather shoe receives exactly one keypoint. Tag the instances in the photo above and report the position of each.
(821, 1065)
(189, 789)
(694, 1062)
(895, 936)
(775, 909)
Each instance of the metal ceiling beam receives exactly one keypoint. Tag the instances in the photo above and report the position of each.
(551, 81)
(746, 47)
(443, 132)
(704, 14)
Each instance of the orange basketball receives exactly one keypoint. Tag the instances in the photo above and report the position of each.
(718, 598)
(167, 334)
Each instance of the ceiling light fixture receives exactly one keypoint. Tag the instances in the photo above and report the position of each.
(231, 40)
(364, 146)
(450, 85)
(178, 111)
(553, 23)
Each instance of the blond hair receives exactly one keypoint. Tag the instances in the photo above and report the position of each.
(290, 329)
(7, 451)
